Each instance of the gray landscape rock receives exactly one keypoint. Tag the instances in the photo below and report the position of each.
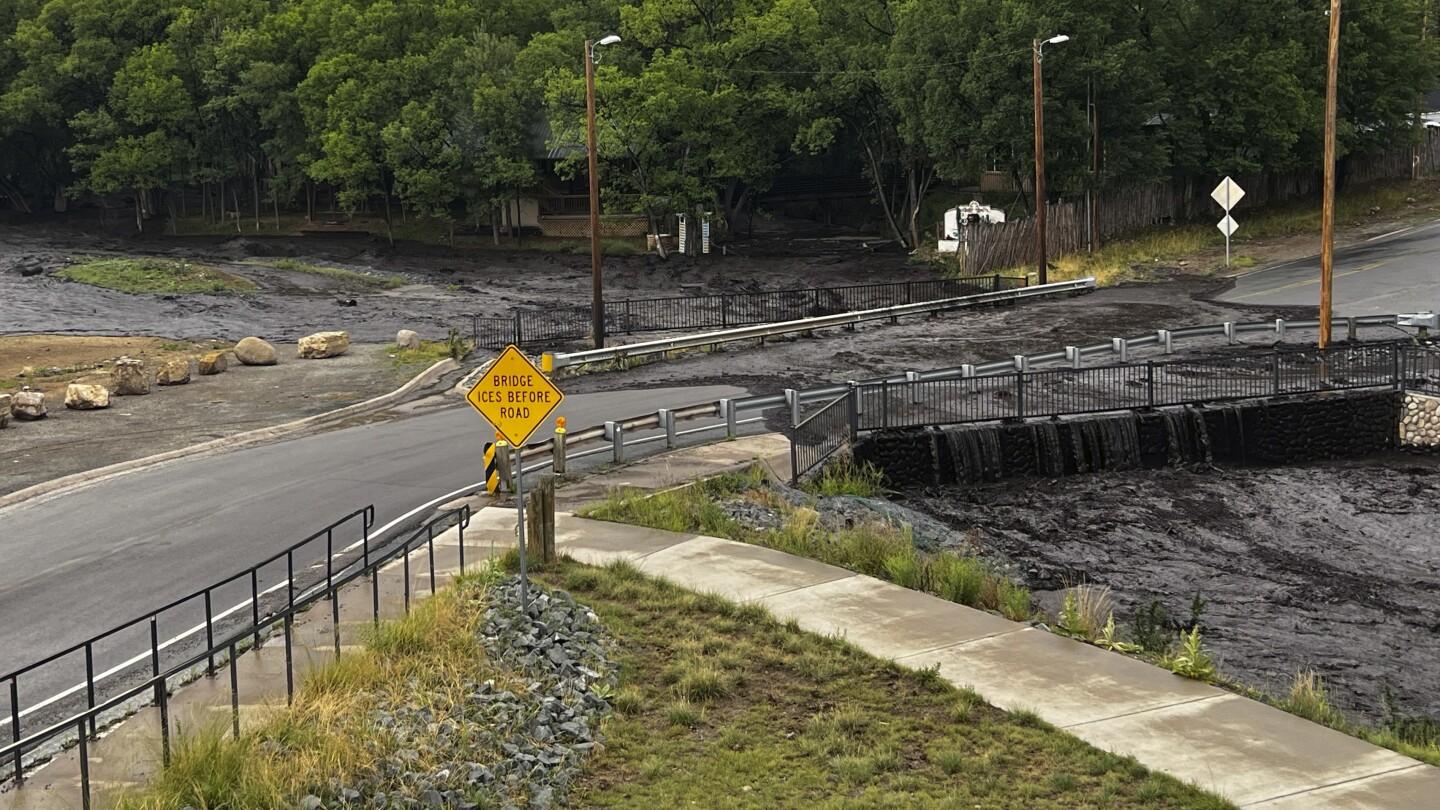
(407, 339)
(252, 351)
(82, 397)
(128, 377)
(29, 405)
(27, 266)
(5, 400)
(544, 732)
(323, 344)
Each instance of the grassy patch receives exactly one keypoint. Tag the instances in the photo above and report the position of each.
(328, 733)
(154, 276)
(430, 351)
(877, 548)
(1128, 258)
(845, 477)
(344, 275)
(721, 705)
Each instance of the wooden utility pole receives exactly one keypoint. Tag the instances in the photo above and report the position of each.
(1039, 167)
(597, 295)
(1094, 168)
(1327, 209)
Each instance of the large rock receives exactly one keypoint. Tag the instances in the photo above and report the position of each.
(252, 351)
(323, 344)
(406, 339)
(211, 363)
(174, 372)
(5, 409)
(82, 397)
(128, 377)
(29, 405)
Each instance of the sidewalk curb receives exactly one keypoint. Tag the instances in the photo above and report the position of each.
(226, 443)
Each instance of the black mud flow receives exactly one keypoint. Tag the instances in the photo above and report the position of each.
(1334, 567)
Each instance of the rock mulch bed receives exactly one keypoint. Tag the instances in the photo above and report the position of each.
(542, 732)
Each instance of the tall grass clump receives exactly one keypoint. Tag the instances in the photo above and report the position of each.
(846, 477)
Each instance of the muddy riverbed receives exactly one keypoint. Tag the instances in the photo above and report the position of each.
(1333, 567)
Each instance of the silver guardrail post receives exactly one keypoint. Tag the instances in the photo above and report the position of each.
(667, 421)
(1073, 357)
(912, 379)
(1121, 346)
(1166, 339)
(1229, 327)
(792, 399)
(502, 458)
(557, 461)
(1350, 329)
(967, 370)
(1279, 328)
(615, 432)
(727, 412)
(1022, 363)
(855, 393)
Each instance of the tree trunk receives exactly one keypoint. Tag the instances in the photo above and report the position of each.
(389, 227)
(170, 210)
(235, 195)
(220, 214)
(495, 225)
(879, 182)
(255, 189)
(139, 217)
(61, 204)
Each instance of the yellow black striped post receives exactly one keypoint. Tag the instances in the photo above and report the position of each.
(492, 469)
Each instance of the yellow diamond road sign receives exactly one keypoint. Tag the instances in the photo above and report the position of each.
(515, 396)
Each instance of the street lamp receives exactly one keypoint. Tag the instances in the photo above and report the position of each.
(597, 303)
(1039, 56)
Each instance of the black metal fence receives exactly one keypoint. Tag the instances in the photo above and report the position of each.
(1069, 391)
(820, 435)
(721, 311)
(147, 677)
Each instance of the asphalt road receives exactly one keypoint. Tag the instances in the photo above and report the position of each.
(78, 564)
(1397, 272)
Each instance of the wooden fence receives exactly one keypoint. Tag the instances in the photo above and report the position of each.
(1124, 211)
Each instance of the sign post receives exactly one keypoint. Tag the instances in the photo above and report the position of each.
(516, 398)
(1228, 193)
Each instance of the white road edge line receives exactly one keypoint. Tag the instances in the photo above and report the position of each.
(379, 533)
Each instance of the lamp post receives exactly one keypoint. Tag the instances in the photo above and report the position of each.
(597, 298)
(1038, 51)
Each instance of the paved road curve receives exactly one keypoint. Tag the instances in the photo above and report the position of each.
(1398, 272)
(77, 564)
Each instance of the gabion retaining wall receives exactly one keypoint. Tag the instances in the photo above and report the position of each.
(1287, 431)
(1420, 421)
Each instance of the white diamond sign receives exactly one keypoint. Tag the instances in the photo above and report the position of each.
(1227, 194)
(1228, 226)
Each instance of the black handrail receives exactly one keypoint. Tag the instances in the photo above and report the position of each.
(233, 643)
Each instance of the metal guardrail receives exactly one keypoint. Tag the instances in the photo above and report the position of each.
(555, 361)
(154, 687)
(728, 415)
(526, 327)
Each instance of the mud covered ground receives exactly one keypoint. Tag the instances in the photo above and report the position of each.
(1334, 567)
(444, 287)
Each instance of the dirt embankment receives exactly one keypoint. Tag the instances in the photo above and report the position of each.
(1329, 566)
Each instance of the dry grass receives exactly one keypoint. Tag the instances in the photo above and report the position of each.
(433, 655)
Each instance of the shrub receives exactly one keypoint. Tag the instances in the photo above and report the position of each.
(1309, 699)
(1193, 661)
(905, 569)
(1084, 611)
(1014, 601)
(1151, 628)
(845, 477)
(959, 579)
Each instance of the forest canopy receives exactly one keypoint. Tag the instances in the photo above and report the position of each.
(444, 106)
